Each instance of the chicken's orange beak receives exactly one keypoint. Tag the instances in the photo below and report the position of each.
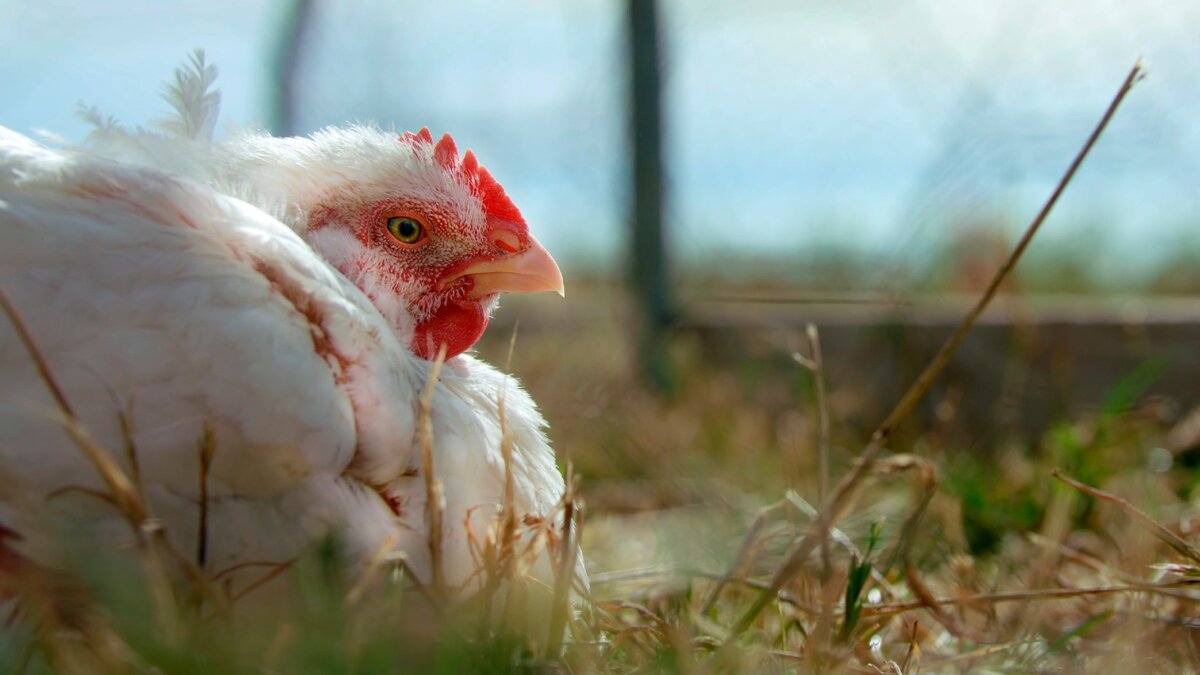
(528, 270)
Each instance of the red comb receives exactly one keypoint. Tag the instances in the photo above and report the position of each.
(421, 137)
(446, 153)
(495, 201)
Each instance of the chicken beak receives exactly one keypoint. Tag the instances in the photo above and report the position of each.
(530, 270)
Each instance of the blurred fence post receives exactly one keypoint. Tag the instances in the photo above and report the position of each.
(648, 256)
(286, 66)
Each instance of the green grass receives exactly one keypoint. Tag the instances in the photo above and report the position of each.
(1012, 553)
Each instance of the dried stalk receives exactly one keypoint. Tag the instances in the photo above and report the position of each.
(833, 509)
(508, 528)
(1170, 538)
(205, 450)
(823, 444)
(125, 495)
(499, 554)
(125, 419)
(277, 569)
(566, 567)
(925, 596)
(433, 487)
(384, 554)
(765, 514)
(928, 480)
(1026, 596)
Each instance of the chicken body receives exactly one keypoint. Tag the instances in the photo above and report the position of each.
(262, 289)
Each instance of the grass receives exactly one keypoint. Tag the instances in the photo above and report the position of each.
(1079, 590)
(735, 525)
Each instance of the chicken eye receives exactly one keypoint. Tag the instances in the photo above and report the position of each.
(406, 230)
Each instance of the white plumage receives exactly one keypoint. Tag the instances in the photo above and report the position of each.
(181, 282)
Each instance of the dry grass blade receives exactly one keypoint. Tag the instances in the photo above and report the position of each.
(986, 650)
(818, 371)
(18, 324)
(1170, 538)
(765, 515)
(1028, 596)
(928, 478)
(917, 585)
(280, 645)
(79, 489)
(912, 660)
(276, 570)
(124, 494)
(508, 530)
(498, 552)
(377, 562)
(566, 567)
(124, 418)
(205, 449)
(1080, 558)
(121, 488)
(433, 487)
(412, 578)
(122, 491)
(840, 499)
(935, 367)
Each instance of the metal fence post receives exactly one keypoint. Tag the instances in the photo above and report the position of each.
(648, 256)
(286, 66)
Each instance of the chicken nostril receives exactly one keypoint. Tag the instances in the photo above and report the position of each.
(506, 241)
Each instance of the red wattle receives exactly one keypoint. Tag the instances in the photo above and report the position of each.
(458, 325)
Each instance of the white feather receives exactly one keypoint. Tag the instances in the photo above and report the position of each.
(195, 102)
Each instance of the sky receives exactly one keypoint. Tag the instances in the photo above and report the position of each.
(880, 126)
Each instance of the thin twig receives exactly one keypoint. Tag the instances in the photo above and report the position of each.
(840, 499)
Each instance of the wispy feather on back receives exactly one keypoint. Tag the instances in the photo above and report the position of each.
(181, 142)
(196, 106)
(92, 115)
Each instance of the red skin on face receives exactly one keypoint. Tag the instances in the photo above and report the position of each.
(458, 325)
(459, 322)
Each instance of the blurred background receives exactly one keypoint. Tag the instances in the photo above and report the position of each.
(715, 176)
(874, 131)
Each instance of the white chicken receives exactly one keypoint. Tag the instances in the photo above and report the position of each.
(288, 294)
